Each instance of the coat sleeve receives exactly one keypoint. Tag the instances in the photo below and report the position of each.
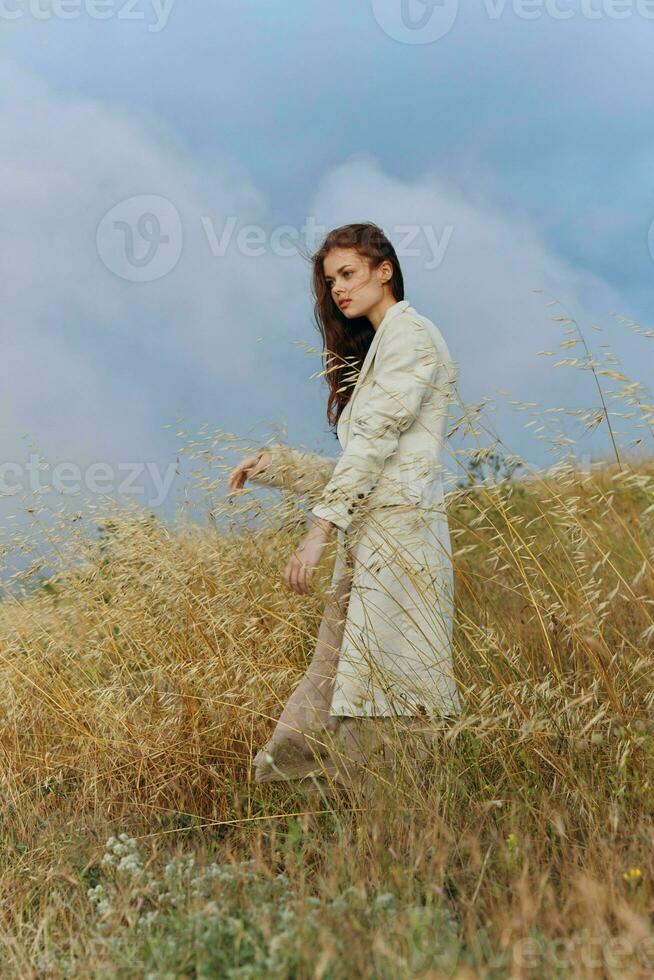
(295, 470)
(404, 371)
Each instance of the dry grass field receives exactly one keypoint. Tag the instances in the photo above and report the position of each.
(138, 681)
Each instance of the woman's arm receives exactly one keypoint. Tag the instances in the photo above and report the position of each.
(295, 470)
(404, 371)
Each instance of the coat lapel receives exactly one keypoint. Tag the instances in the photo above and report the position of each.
(391, 312)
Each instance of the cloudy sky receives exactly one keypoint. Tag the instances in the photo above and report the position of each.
(165, 164)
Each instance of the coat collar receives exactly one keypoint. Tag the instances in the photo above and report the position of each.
(390, 314)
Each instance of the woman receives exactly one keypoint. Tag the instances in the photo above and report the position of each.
(383, 658)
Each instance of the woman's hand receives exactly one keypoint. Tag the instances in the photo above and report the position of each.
(300, 566)
(247, 468)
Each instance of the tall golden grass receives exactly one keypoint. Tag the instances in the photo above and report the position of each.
(137, 683)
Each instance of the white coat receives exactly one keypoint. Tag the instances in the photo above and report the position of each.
(385, 494)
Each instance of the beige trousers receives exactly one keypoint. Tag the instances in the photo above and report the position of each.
(310, 742)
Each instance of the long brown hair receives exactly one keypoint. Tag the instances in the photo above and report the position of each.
(346, 341)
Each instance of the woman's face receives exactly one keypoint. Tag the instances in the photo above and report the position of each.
(355, 287)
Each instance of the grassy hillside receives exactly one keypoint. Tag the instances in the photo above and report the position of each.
(136, 686)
